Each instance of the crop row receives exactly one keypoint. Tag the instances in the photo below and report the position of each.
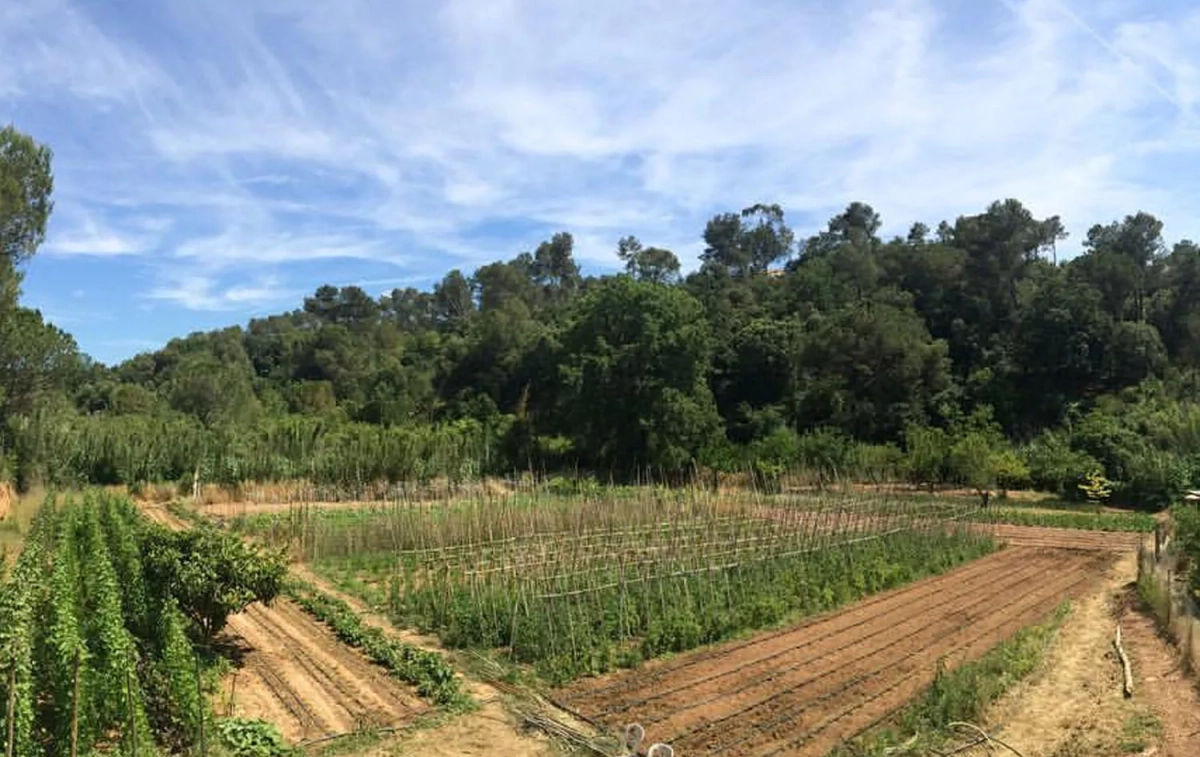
(1090, 521)
(429, 671)
(474, 532)
(613, 591)
(93, 655)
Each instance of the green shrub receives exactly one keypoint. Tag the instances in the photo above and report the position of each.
(927, 452)
(1054, 466)
(1187, 540)
(244, 737)
(428, 671)
(1154, 479)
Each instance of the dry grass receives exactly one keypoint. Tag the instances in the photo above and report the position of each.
(7, 495)
(18, 512)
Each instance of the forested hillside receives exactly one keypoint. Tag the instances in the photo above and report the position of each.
(966, 353)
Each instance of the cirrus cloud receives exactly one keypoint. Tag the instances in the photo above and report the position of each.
(216, 159)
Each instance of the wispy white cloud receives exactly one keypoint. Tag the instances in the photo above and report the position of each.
(51, 47)
(283, 143)
(94, 239)
(197, 291)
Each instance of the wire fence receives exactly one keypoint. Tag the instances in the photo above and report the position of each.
(1164, 588)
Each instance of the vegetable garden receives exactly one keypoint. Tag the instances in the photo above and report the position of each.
(100, 612)
(580, 584)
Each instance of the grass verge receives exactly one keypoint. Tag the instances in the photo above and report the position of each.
(960, 695)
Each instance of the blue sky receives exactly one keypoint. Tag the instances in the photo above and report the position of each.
(217, 160)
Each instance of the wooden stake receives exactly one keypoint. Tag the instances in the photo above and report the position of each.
(200, 700)
(75, 709)
(1170, 598)
(1189, 648)
(12, 710)
(1128, 672)
(132, 716)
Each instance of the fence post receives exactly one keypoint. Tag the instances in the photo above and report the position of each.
(1190, 612)
(1170, 599)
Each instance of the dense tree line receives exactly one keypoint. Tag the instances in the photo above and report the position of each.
(967, 352)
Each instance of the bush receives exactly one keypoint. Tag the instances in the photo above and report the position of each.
(927, 454)
(1154, 480)
(244, 737)
(572, 486)
(1187, 540)
(211, 573)
(878, 463)
(1055, 467)
(982, 463)
(772, 456)
(828, 452)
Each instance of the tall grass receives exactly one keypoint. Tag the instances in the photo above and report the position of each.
(140, 449)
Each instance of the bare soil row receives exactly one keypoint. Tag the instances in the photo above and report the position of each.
(802, 690)
(299, 676)
(1065, 538)
(295, 673)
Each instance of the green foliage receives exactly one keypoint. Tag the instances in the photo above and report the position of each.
(526, 364)
(1139, 731)
(212, 574)
(429, 671)
(927, 453)
(635, 362)
(89, 630)
(1186, 519)
(869, 369)
(963, 694)
(1056, 467)
(1091, 521)
(178, 709)
(26, 183)
(1154, 480)
(245, 737)
(579, 585)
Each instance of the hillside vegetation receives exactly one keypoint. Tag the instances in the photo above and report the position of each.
(964, 354)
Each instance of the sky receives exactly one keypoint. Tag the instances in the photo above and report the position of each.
(216, 161)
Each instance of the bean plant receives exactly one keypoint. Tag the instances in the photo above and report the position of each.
(579, 584)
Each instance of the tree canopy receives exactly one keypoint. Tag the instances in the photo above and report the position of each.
(836, 345)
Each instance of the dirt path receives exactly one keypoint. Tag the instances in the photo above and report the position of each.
(160, 514)
(802, 690)
(1074, 704)
(1160, 682)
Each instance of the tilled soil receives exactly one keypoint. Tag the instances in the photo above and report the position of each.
(802, 690)
(296, 674)
(1065, 538)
